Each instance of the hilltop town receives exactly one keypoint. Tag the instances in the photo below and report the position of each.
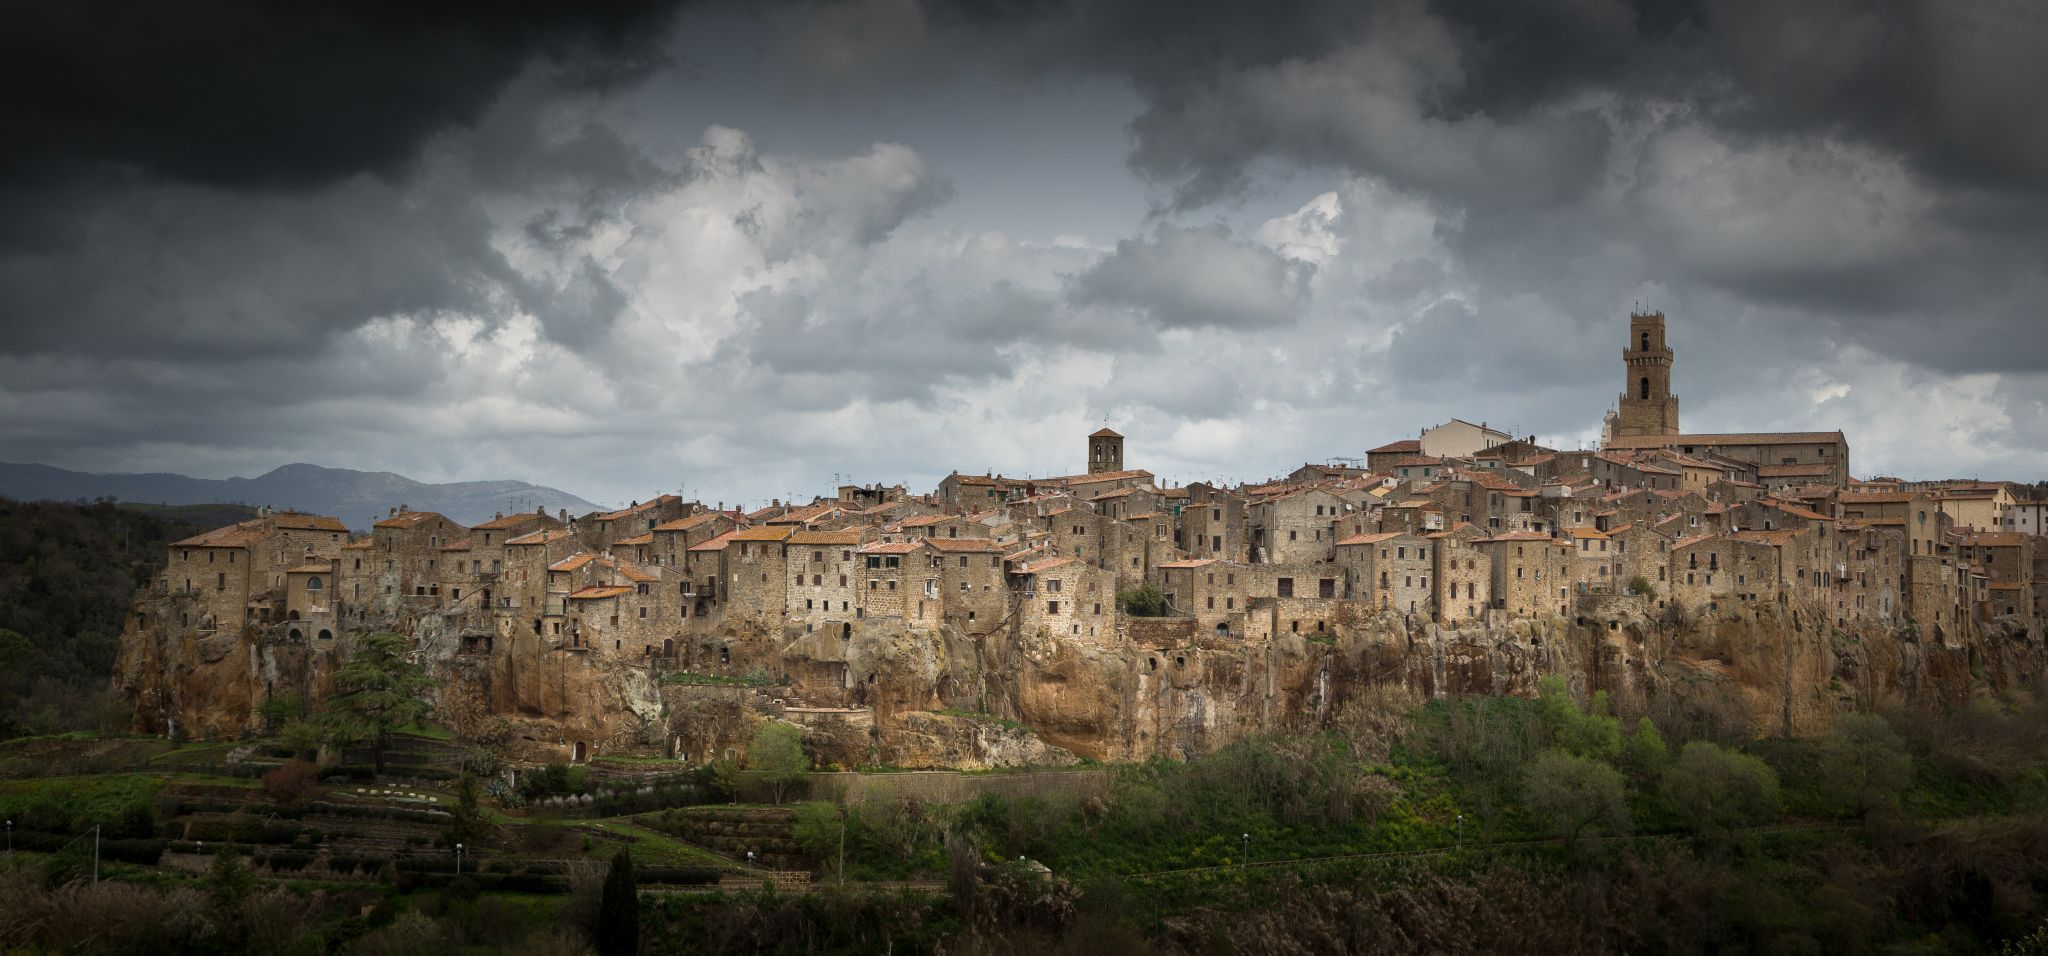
(1104, 614)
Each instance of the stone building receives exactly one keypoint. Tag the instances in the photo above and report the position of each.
(973, 587)
(1105, 452)
(1647, 406)
(1295, 527)
(1463, 574)
(824, 575)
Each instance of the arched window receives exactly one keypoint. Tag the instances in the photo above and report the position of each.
(1646, 341)
(1646, 386)
(296, 636)
(313, 583)
(326, 635)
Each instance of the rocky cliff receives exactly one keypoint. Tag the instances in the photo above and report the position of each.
(884, 694)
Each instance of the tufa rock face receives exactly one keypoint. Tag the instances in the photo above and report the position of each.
(873, 693)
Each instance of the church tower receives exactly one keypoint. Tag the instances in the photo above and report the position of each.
(1105, 452)
(1647, 405)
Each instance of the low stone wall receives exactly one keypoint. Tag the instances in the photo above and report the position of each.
(945, 786)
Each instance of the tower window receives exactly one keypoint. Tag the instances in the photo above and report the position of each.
(1646, 387)
(1646, 341)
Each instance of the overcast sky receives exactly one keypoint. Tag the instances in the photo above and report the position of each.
(741, 249)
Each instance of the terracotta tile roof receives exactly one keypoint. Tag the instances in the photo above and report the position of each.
(1373, 538)
(299, 521)
(1414, 461)
(573, 562)
(894, 547)
(410, 519)
(1186, 563)
(977, 480)
(1412, 446)
(1520, 536)
(923, 521)
(233, 536)
(1995, 539)
(636, 573)
(462, 545)
(549, 536)
(697, 520)
(1104, 433)
(363, 545)
(1766, 537)
(1104, 476)
(806, 513)
(317, 567)
(1794, 471)
(764, 533)
(959, 545)
(832, 539)
(511, 521)
(1798, 512)
(1049, 564)
(631, 510)
(1726, 439)
(1876, 497)
(1118, 493)
(599, 591)
(1585, 532)
(715, 543)
(644, 537)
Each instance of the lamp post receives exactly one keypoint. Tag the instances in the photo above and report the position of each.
(1461, 829)
(750, 858)
(95, 853)
(10, 838)
(1246, 841)
(458, 859)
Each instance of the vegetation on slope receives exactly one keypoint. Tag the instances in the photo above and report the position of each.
(67, 573)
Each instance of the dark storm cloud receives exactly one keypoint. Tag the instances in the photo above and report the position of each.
(1186, 278)
(251, 93)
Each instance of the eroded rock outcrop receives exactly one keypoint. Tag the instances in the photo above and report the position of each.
(883, 693)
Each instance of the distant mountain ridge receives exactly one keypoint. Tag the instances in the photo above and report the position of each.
(358, 498)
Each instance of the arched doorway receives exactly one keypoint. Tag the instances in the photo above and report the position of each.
(580, 752)
(295, 635)
(326, 635)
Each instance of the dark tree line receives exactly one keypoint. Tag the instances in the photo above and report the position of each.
(67, 573)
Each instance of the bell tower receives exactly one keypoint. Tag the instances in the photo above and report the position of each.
(1105, 452)
(1647, 405)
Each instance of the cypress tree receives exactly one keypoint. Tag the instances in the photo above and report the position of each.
(618, 911)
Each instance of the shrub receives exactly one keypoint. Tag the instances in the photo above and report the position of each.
(292, 782)
(1717, 789)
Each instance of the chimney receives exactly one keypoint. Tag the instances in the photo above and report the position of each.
(565, 516)
(496, 515)
(391, 513)
(540, 509)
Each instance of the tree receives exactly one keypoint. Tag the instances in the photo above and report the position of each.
(1641, 586)
(1571, 793)
(618, 910)
(292, 782)
(1864, 766)
(379, 693)
(1643, 753)
(468, 824)
(1145, 600)
(777, 754)
(1717, 789)
(1586, 733)
(228, 882)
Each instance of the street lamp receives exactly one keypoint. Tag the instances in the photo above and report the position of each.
(750, 858)
(1461, 829)
(458, 859)
(1246, 840)
(10, 837)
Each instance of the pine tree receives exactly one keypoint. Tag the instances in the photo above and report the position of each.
(618, 911)
(379, 693)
